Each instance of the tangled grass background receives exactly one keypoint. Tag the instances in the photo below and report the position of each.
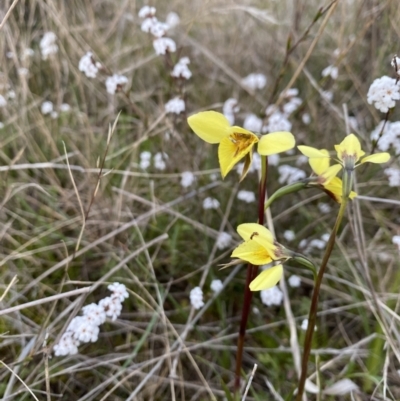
(79, 209)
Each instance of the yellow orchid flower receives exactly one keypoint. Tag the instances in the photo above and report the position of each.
(349, 152)
(260, 248)
(235, 142)
(326, 176)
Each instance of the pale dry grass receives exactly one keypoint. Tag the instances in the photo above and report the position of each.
(147, 232)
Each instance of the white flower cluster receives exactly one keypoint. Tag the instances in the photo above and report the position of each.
(187, 179)
(47, 108)
(181, 69)
(289, 174)
(246, 196)
(216, 286)
(89, 66)
(224, 240)
(175, 106)
(229, 110)
(85, 328)
(253, 123)
(272, 296)
(390, 136)
(210, 203)
(115, 83)
(331, 71)
(196, 298)
(316, 243)
(48, 45)
(255, 81)
(159, 160)
(393, 175)
(158, 29)
(383, 93)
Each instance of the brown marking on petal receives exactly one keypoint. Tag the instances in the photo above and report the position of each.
(254, 234)
(242, 141)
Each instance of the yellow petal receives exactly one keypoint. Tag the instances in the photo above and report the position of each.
(276, 142)
(259, 234)
(331, 172)
(312, 152)
(252, 252)
(250, 230)
(267, 279)
(349, 147)
(210, 126)
(376, 158)
(319, 164)
(335, 190)
(233, 148)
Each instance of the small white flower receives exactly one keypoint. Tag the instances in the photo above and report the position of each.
(292, 105)
(112, 307)
(255, 81)
(164, 45)
(118, 291)
(115, 83)
(325, 237)
(54, 115)
(147, 11)
(95, 313)
(229, 109)
(28, 52)
(327, 95)
(3, 101)
(306, 118)
(181, 69)
(272, 296)
(289, 174)
(46, 107)
(324, 208)
(86, 332)
(145, 160)
(304, 325)
(396, 240)
(301, 159)
(331, 71)
(88, 65)
(216, 285)
(48, 45)
(291, 92)
(65, 108)
(210, 203)
(22, 71)
(294, 281)
(383, 93)
(172, 20)
(277, 121)
(317, 243)
(175, 105)
(393, 175)
(196, 298)
(187, 179)
(224, 240)
(148, 24)
(252, 123)
(246, 196)
(158, 29)
(67, 345)
(274, 160)
(159, 161)
(289, 235)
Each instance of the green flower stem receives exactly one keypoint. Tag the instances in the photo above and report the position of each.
(306, 263)
(284, 191)
(251, 275)
(312, 317)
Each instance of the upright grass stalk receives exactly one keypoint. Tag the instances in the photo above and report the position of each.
(312, 317)
(251, 275)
